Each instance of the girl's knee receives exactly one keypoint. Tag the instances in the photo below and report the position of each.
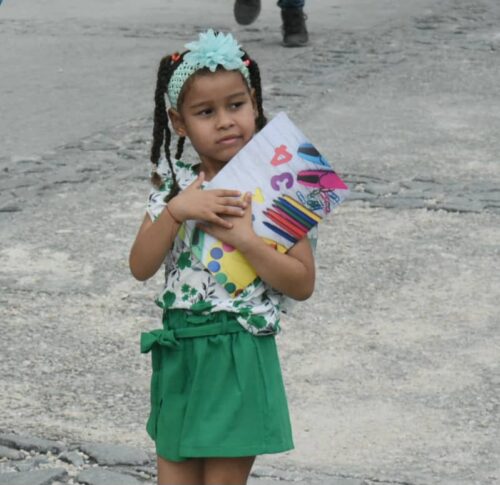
(188, 472)
(227, 471)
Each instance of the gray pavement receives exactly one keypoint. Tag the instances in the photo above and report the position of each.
(392, 366)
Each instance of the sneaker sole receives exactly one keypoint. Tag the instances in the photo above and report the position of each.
(245, 16)
(294, 44)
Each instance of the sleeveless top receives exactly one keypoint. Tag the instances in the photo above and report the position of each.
(191, 286)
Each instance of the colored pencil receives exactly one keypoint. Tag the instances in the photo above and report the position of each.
(299, 228)
(297, 206)
(297, 223)
(301, 207)
(282, 222)
(294, 212)
(279, 231)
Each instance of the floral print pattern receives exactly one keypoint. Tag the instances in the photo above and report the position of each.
(190, 286)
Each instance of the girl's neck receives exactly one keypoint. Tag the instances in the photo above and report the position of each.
(209, 170)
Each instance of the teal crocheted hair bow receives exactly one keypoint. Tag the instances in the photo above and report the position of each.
(209, 51)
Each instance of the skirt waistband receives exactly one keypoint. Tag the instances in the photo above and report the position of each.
(169, 337)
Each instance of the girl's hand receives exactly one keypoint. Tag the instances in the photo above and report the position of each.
(207, 205)
(241, 234)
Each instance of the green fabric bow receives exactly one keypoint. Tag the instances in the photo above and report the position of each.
(161, 337)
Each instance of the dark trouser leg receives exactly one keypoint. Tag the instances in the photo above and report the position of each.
(294, 23)
(291, 3)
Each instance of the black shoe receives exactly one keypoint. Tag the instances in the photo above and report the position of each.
(294, 27)
(246, 11)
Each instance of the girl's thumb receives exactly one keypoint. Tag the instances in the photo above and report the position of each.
(200, 179)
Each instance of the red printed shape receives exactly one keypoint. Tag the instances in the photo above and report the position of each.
(281, 155)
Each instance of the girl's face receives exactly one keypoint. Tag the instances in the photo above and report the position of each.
(217, 113)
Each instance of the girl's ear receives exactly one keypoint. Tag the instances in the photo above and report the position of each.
(177, 122)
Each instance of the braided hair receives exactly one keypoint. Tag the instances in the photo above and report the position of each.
(161, 130)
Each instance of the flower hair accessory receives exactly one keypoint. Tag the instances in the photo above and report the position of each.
(209, 51)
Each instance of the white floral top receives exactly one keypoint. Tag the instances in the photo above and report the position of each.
(191, 286)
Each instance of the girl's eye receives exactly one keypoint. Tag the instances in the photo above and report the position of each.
(204, 112)
(237, 104)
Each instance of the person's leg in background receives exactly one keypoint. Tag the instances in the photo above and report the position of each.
(292, 14)
(246, 11)
(294, 23)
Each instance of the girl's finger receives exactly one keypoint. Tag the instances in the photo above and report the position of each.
(230, 210)
(227, 193)
(209, 229)
(199, 180)
(221, 222)
(226, 201)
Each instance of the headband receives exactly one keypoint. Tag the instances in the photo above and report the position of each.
(209, 51)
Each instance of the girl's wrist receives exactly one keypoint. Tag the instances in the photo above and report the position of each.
(170, 207)
(175, 219)
(249, 243)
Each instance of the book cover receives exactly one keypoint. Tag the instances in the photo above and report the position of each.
(293, 189)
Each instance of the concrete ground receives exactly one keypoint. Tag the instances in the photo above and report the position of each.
(392, 367)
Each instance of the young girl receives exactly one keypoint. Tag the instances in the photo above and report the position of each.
(217, 395)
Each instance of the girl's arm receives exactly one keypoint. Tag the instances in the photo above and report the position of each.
(293, 273)
(155, 239)
(152, 244)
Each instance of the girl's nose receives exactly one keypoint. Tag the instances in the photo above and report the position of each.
(224, 120)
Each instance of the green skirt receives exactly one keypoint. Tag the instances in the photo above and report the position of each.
(216, 389)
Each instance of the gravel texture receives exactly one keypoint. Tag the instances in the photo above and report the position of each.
(391, 367)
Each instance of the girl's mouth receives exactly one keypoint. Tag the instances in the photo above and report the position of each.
(229, 140)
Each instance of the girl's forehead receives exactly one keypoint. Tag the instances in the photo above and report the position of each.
(217, 84)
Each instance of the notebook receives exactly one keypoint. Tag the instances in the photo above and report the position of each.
(293, 189)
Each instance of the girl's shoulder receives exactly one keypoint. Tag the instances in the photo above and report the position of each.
(185, 174)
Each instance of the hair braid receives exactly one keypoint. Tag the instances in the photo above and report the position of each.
(161, 130)
(254, 71)
(160, 121)
(180, 147)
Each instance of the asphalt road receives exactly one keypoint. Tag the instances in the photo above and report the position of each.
(392, 366)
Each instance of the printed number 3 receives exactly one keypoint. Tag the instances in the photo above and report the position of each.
(286, 178)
